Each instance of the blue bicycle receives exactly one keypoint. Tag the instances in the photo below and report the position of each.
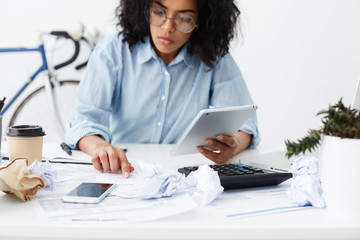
(49, 104)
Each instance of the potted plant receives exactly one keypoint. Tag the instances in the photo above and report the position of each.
(339, 158)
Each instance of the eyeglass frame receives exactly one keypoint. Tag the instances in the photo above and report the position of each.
(148, 17)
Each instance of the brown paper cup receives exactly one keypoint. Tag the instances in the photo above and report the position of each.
(25, 141)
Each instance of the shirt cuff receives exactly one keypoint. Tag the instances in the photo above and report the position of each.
(252, 130)
(73, 135)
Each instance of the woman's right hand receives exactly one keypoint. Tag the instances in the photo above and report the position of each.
(105, 157)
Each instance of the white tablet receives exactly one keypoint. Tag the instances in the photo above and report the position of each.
(210, 122)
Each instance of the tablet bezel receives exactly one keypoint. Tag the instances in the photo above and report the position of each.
(210, 122)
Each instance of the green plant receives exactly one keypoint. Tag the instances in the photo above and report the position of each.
(339, 121)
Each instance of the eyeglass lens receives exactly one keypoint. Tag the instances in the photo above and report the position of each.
(183, 22)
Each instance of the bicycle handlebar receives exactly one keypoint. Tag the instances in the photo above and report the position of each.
(76, 44)
(82, 65)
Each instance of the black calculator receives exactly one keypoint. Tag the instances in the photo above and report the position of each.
(237, 175)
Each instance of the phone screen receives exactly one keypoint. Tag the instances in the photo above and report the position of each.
(93, 190)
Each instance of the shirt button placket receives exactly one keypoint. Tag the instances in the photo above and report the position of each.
(164, 90)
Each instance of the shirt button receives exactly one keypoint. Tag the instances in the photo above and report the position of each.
(167, 73)
(163, 98)
(159, 124)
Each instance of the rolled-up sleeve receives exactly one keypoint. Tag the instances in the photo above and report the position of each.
(93, 106)
(229, 89)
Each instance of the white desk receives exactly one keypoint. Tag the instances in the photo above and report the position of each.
(19, 220)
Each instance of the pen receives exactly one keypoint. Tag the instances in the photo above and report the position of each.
(65, 162)
(2, 102)
(123, 148)
(66, 148)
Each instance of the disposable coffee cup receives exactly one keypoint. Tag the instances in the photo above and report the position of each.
(25, 141)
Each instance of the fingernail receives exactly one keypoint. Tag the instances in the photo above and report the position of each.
(200, 149)
(209, 142)
(126, 175)
(220, 138)
(102, 170)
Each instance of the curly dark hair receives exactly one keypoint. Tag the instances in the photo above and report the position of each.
(216, 19)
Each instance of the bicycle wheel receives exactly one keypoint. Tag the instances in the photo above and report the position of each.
(34, 109)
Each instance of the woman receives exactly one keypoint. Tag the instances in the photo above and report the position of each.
(147, 83)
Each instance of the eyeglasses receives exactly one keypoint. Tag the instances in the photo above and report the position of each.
(182, 22)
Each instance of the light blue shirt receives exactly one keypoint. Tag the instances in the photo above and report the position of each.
(128, 95)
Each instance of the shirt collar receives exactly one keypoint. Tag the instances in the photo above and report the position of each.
(184, 55)
(145, 52)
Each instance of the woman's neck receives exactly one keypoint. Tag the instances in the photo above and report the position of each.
(166, 57)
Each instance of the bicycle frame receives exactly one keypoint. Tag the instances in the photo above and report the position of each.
(48, 85)
(43, 67)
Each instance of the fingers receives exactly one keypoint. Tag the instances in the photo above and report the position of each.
(96, 163)
(103, 155)
(217, 145)
(113, 161)
(230, 141)
(224, 148)
(213, 156)
(110, 159)
(125, 165)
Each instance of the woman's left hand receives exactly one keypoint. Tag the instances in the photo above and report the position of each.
(225, 147)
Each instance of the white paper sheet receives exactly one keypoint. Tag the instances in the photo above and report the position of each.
(54, 153)
(125, 208)
(49, 205)
(255, 201)
(137, 210)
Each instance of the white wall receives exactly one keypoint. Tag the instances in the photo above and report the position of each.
(297, 56)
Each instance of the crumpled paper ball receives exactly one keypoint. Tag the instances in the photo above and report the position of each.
(15, 178)
(203, 185)
(306, 185)
(45, 171)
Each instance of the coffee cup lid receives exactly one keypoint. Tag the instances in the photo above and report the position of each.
(25, 131)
